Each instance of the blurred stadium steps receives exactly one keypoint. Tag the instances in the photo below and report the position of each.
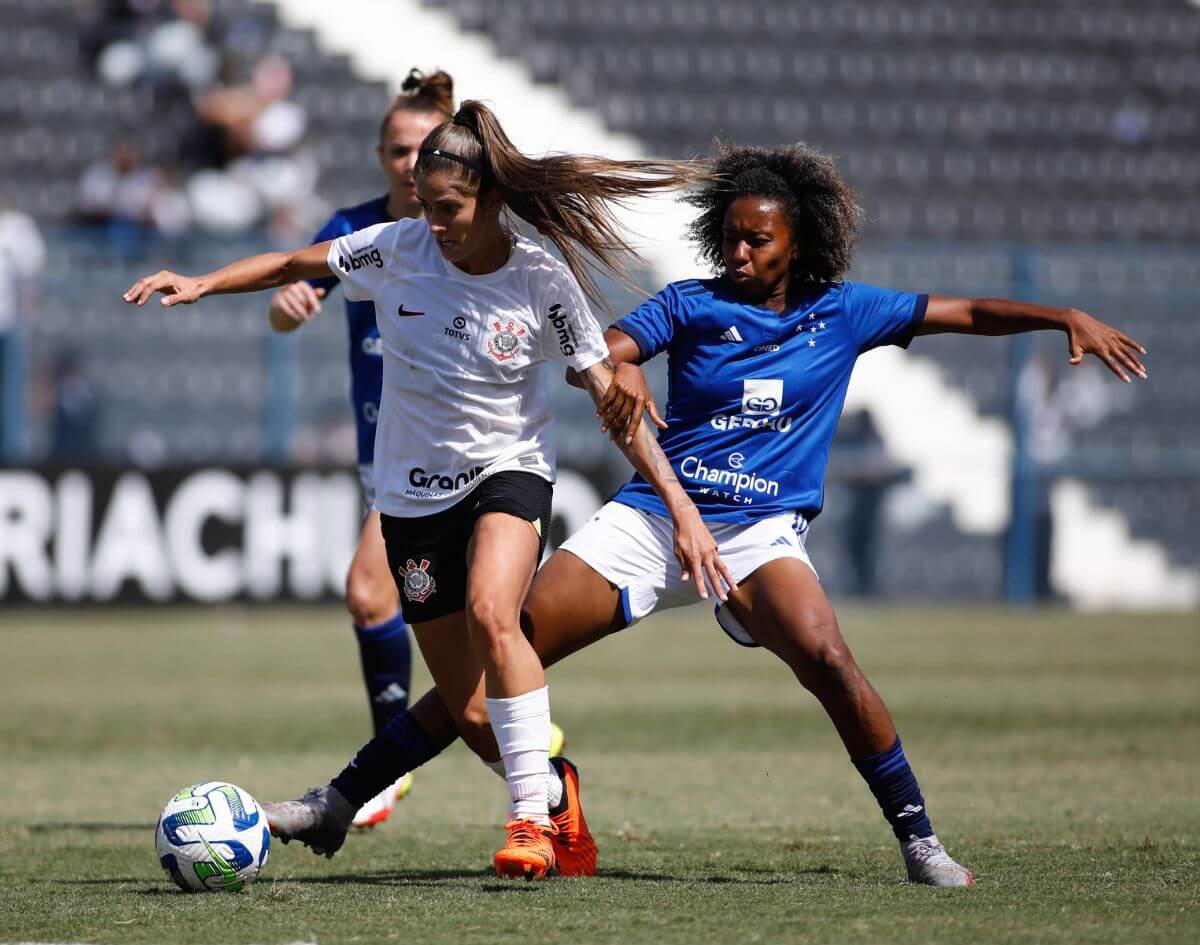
(1085, 131)
(967, 126)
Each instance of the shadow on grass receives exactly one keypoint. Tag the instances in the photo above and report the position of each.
(86, 826)
(432, 878)
(717, 880)
(440, 878)
(378, 878)
(435, 877)
(107, 881)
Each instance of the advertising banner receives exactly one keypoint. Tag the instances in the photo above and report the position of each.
(201, 534)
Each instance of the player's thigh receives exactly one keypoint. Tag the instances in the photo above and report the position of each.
(370, 583)
(569, 606)
(501, 559)
(783, 608)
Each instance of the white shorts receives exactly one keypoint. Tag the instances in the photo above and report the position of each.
(635, 550)
(366, 475)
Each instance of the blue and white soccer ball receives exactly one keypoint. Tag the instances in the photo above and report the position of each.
(212, 837)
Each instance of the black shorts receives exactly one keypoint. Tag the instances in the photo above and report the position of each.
(428, 555)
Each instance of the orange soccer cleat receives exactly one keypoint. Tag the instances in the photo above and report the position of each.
(574, 848)
(527, 851)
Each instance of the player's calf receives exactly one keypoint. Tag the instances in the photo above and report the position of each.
(895, 787)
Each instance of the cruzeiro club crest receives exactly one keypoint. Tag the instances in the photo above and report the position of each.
(418, 582)
(504, 343)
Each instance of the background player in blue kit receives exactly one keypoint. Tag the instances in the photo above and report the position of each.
(371, 595)
(760, 359)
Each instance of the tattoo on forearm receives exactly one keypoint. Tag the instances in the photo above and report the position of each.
(644, 453)
(660, 467)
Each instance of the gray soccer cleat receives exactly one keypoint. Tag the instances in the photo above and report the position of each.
(929, 863)
(319, 820)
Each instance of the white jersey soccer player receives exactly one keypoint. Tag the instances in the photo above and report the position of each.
(462, 397)
(467, 310)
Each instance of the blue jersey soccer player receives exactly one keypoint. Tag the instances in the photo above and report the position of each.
(371, 595)
(760, 360)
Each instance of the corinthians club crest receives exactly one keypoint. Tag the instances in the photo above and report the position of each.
(418, 582)
(504, 343)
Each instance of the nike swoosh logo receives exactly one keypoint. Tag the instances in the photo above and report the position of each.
(404, 314)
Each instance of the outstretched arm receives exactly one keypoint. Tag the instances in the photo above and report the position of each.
(1085, 334)
(695, 548)
(265, 271)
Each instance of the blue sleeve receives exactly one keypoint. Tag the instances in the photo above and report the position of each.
(652, 324)
(337, 225)
(882, 316)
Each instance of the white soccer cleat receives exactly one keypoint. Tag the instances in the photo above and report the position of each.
(379, 808)
(319, 820)
(928, 863)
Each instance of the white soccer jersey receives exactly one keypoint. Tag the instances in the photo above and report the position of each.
(462, 393)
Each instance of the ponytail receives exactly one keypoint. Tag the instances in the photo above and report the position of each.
(567, 198)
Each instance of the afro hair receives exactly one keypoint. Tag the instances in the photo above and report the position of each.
(823, 210)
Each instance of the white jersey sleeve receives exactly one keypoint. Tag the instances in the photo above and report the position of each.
(570, 332)
(360, 259)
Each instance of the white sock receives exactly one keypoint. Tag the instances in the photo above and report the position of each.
(554, 785)
(521, 725)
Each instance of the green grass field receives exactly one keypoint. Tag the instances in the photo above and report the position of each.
(1059, 756)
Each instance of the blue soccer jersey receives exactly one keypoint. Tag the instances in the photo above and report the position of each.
(366, 351)
(754, 396)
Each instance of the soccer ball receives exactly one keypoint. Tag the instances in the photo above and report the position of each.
(211, 837)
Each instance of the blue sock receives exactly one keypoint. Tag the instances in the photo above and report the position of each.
(401, 747)
(386, 657)
(894, 785)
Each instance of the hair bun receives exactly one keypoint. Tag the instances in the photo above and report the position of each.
(422, 93)
(412, 81)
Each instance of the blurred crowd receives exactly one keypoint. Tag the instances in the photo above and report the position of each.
(240, 161)
(60, 394)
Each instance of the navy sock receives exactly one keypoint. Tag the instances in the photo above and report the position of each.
(386, 657)
(401, 747)
(894, 785)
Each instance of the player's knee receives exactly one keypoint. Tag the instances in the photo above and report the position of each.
(492, 629)
(368, 599)
(820, 657)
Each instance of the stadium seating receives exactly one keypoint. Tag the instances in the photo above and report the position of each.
(994, 123)
(970, 128)
(955, 119)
